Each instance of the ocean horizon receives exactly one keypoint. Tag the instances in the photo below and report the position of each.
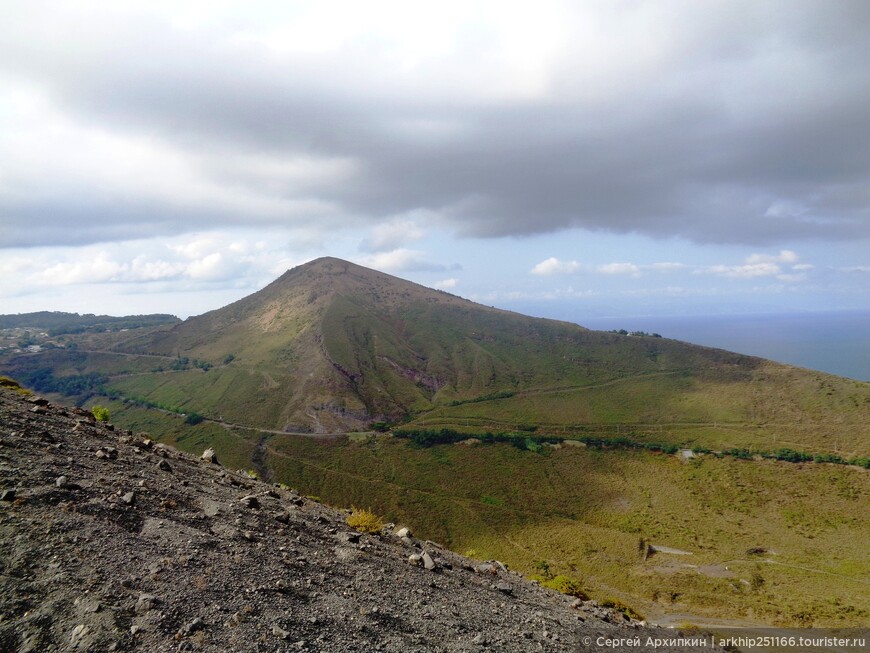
(837, 342)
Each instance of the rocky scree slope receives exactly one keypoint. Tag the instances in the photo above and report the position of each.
(110, 542)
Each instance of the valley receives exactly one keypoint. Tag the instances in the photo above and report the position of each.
(553, 448)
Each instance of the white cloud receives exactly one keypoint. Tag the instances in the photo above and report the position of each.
(144, 269)
(444, 284)
(619, 268)
(553, 266)
(211, 267)
(747, 271)
(666, 266)
(198, 258)
(392, 235)
(784, 256)
(400, 260)
(97, 269)
(783, 266)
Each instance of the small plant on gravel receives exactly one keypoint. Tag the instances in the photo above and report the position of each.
(364, 521)
(619, 606)
(567, 586)
(101, 413)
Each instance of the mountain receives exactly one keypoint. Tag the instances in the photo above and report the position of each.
(582, 468)
(331, 347)
(57, 322)
(111, 542)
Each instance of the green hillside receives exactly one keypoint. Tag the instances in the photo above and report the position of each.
(775, 530)
(766, 541)
(332, 347)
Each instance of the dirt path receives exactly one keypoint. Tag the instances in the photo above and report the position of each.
(125, 354)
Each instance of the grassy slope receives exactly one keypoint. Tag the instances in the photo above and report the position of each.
(584, 512)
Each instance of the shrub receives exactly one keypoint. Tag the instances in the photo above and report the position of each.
(742, 454)
(544, 567)
(193, 419)
(792, 456)
(364, 521)
(566, 585)
(101, 413)
(619, 606)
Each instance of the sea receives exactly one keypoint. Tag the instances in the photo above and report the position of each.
(834, 342)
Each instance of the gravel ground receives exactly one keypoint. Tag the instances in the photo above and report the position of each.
(111, 542)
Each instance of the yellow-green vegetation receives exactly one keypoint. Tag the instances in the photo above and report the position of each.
(565, 585)
(364, 520)
(101, 413)
(11, 384)
(235, 447)
(770, 541)
(619, 606)
(333, 347)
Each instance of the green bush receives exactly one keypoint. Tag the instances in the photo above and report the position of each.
(193, 419)
(742, 454)
(792, 456)
(566, 585)
(101, 413)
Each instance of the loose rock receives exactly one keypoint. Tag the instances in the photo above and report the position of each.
(250, 501)
(286, 578)
(210, 456)
(146, 602)
(279, 632)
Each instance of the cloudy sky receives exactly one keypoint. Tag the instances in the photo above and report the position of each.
(570, 159)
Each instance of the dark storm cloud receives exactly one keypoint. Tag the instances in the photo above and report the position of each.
(753, 129)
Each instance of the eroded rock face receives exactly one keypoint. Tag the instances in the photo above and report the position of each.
(148, 549)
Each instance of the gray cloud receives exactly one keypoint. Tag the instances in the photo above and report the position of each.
(747, 124)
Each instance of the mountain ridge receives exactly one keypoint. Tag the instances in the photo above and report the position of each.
(331, 347)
